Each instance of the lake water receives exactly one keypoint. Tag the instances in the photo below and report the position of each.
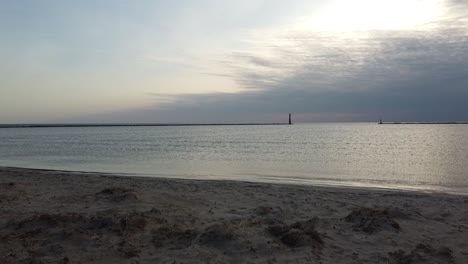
(426, 157)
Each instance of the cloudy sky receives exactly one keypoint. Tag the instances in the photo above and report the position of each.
(233, 61)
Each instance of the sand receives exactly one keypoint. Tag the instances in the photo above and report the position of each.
(64, 217)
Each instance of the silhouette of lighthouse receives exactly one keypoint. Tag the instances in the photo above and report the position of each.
(290, 119)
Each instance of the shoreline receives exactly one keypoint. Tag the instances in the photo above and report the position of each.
(286, 181)
(73, 217)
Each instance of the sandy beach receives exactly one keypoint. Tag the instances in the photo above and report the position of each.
(65, 217)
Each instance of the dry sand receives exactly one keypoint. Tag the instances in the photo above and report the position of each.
(63, 217)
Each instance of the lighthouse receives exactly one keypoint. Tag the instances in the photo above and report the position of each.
(290, 122)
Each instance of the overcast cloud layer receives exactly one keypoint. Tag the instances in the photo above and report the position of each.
(398, 75)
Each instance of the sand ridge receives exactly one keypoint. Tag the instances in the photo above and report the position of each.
(64, 217)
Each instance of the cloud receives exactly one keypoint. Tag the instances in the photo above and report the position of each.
(401, 75)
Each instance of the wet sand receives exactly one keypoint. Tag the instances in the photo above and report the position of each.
(65, 217)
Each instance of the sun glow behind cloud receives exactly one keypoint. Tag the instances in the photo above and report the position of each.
(337, 39)
(365, 15)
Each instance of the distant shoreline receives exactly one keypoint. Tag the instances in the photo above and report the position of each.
(134, 125)
(207, 124)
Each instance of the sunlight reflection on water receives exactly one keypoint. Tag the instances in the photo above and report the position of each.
(427, 157)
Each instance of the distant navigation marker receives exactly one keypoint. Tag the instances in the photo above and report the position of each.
(290, 119)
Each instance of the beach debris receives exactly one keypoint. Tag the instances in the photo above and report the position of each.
(422, 253)
(298, 234)
(374, 220)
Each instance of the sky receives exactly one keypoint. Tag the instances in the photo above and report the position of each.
(206, 61)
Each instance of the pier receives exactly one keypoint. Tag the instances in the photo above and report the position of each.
(134, 125)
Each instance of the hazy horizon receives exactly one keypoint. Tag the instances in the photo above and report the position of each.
(206, 61)
(259, 123)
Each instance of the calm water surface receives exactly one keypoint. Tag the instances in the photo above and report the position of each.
(429, 157)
